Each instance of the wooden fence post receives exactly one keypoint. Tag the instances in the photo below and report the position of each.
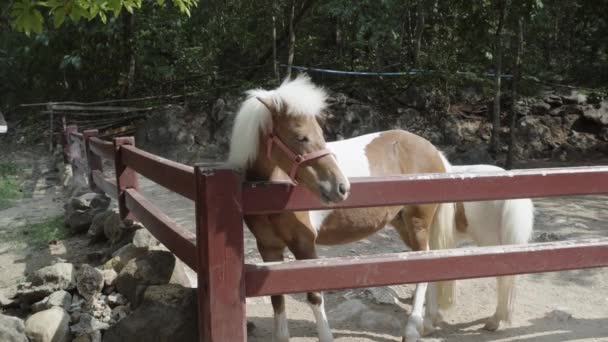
(94, 161)
(219, 237)
(126, 178)
(67, 142)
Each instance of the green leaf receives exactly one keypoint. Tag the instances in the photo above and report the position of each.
(58, 17)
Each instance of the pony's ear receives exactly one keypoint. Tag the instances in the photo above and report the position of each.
(268, 104)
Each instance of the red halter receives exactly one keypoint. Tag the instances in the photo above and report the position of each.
(296, 159)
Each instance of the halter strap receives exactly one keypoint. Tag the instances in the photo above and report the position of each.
(296, 159)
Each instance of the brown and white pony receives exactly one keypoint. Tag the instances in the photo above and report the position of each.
(277, 137)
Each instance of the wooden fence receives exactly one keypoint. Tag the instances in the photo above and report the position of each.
(216, 252)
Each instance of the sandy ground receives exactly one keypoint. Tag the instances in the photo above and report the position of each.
(541, 303)
(544, 304)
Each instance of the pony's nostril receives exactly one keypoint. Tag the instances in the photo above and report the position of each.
(342, 189)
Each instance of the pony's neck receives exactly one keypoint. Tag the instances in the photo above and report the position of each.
(263, 169)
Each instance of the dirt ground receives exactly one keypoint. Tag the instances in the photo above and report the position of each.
(559, 306)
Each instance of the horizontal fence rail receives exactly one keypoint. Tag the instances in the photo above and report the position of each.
(263, 198)
(174, 176)
(221, 199)
(108, 186)
(104, 149)
(416, 267)
(177, 239)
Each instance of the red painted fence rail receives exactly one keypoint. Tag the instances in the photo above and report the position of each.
(221, 199)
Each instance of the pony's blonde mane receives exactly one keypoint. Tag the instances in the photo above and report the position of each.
(294, 97)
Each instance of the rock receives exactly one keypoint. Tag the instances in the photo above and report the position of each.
(540, 108)
(560, 314)
(381, 295)
(347, 310)
(143, 239)
(472, 154)
(51, 325)
(547, 237)
(95, 336)
(12, 329)
(154, 268)
(112, 228)
(574, 98)
(82, 202)
(89, 281)
(109, 277)
(78, 220)
(122, 256)
(60, 275)
(62, 299)
(87, 324)
(167, 313)
(5, 302)
(120, 312)
(553, 100)
(96, 230)
(116, 299)
(597, 113)
(100, 202)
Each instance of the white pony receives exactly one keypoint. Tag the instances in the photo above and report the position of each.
(489, 223)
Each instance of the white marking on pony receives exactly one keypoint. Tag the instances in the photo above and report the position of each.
(3, 128)
(299, 96)
(323, 329)
(413, 329)
(281, 329)
(352, 160)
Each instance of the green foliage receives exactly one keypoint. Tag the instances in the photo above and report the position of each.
(9, 185)
(38, 234)
(221, 43)
(27, 16)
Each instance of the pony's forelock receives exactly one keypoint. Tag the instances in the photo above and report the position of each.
(294, 97)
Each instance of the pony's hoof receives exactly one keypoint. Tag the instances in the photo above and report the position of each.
(491, 324)
(428, 328)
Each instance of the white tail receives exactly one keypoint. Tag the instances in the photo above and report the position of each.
(442, 237)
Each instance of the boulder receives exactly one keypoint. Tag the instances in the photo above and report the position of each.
(6, 302)
(95, 336)
(154, 268)
(96, 230)
(109, 277)
(553, 100)
(87, 325)
(597, 113)
(60, 275)
(112, 228)
(89, 281)
(143, 239)
(62, 299)
(100, 202)
(122, 256)
(51, 325)
(540, 108)
(12, 329)
(167, 313)
(381, 295)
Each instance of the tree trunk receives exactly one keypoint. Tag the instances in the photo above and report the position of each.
(419, 30)
(292, 39)
(495, 143)
(280, 42)
(516, 75)
(275, 63)
(129, 52)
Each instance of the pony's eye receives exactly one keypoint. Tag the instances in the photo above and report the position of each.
(303, 139)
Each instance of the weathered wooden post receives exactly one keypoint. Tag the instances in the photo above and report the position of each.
(126, 177)
(219, 237)
(94, 161)
(67, 142)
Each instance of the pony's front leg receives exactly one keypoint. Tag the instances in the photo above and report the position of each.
(280, 329)
(302, 250)
(316, 302)
(432, 315)
(414, 326)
